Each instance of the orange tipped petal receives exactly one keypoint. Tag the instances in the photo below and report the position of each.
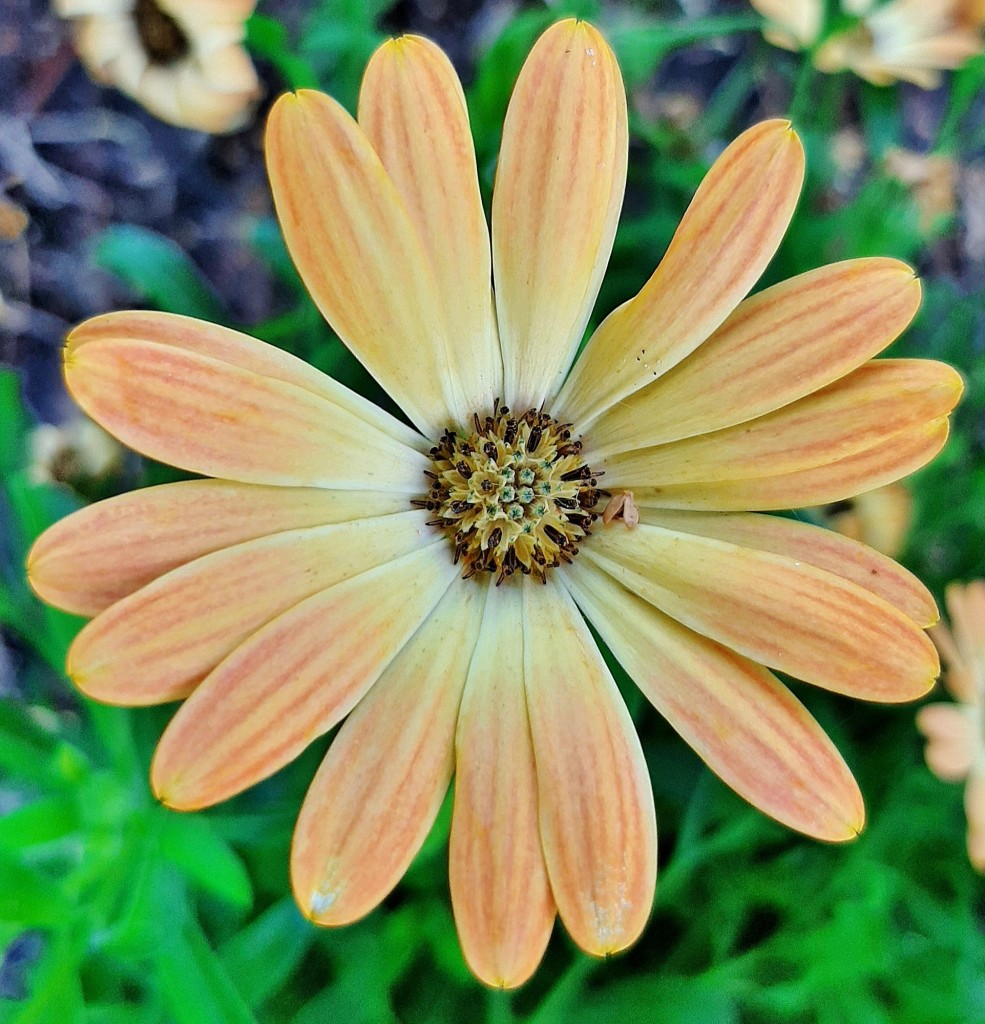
(815, 546)
(744, 724)
(778, 346)
(103, 553)
(412, 109)
(229, 346)
(559, 188)
(212, 417)
(355, 245)
(502, 899)
(887, 460)
(382, 782)
(775, 610)
(879, 400)
(293, 680)
(727, 237)
(597, 820)
(157, 644)
(950, 730)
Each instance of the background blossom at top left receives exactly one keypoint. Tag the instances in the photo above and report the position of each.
(182, 59)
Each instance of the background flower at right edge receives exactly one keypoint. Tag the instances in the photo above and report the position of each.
(955, 732)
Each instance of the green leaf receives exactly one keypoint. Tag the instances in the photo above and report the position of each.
(29, 898)
(189, 842)
(195, 984)
(260, 958)
(13, 421)
(40, 822)
(158, 270)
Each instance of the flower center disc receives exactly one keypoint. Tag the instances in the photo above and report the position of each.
(162, 37)
(513, 494)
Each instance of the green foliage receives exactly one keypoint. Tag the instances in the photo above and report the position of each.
(114, 910)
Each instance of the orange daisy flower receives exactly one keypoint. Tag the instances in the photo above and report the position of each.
(437, 580)
(954, 732)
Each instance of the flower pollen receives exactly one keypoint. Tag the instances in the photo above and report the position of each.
(513, 494)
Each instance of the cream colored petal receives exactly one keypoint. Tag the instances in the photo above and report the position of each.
(110, 50)
(877, 401)
(158, 643)
(228, 346)
(500, 893)
(559, 188)
(597, 820)
(774, 609)
(966, 608)
(879, 518)
(888, 460)
(380, 787)
(81, 8)
(974, 804)
(958, 678)
(953, 742)
(104, 552)
(294, 680)
(355, 246)
(214, 418)
(412, 109)
(778, 346)
(814, 545)
(743, 723)
(727, 237)
(802, 19)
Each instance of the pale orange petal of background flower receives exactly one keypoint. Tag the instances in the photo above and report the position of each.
(728, 236)
(596, 806)
(354, 244)
(951, 739)
(774, 609)
(504, 910)
(778, 346)
(294, 680)
(556, 202)
(412, 108)
(746, 725)
(381, 784)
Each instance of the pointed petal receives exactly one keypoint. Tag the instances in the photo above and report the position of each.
(887, 460)
(355, 246)
(814, 545)
(778, 346)
(380, 787)
(774, 609)
(725, 241)
(157, 644)
(502, 899)
(559, 188)
(104, 552)
(294, 680)
(597, 820)
(739, 718)
(950, 731)
(229, 346)
(213, 417)
(876, 402)
(412, 109)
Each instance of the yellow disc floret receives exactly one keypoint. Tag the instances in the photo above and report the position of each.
(513, 493)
